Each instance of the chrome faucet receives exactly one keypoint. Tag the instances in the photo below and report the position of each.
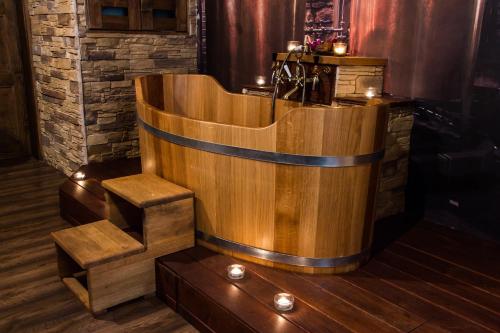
(299, 78)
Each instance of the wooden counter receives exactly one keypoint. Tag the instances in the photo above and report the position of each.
(336, 61)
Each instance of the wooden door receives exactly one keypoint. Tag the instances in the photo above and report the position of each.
(14, 130)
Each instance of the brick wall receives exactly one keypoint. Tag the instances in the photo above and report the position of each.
(84, 80)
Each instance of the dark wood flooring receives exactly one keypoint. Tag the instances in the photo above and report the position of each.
(11, 150)
(32, 299)
(432, 279)
(428, 279)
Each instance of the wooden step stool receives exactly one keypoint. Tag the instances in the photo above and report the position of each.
(109, 262)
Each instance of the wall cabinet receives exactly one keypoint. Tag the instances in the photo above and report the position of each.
(137, 15)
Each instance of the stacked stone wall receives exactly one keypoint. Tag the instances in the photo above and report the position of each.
(390, 199)
(57, 82)
(352, 81)
(84, 80)
(110, 61)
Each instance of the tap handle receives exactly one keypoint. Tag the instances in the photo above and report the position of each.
(315, 82)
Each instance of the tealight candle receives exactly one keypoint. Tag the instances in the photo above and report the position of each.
(236, 272)
(340, 49)
(292, 44)
(371, 92)
(79, 175)
(260, 80)
(283, 301)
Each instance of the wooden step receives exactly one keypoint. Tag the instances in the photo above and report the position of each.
(146, 190)
(96, 243)
(83, 201)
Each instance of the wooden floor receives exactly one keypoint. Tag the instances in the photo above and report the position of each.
(32, 299)
(431, 279)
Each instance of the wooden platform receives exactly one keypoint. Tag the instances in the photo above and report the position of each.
(431, 279)
(83, 201)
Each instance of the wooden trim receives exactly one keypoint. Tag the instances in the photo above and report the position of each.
(181, 14)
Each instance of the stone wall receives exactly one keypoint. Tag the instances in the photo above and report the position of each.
(110, 61)
(352, 81)
(390, 199)
(84, 80)
(58, 88)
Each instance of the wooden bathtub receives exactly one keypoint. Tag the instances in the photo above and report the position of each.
(295, 193)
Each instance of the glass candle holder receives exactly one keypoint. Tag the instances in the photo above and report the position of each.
(340, 49)
(283, 301)
(292, 44)
(371, 92)
(235, 272)
(260, 80)
(79, 175)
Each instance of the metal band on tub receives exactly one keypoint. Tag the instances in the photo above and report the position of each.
(264, 156)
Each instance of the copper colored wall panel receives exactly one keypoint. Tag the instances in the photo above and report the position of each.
(426, 42)
(243, 34)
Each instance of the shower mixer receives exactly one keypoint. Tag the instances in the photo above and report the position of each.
(299, 78)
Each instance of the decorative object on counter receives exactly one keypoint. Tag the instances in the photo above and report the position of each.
(260, 80)
(283, 301)
(324, 48)
(340, 49)
(236, 272)
(313, 44)
(292, 44)
(371, 92)
(79, 175)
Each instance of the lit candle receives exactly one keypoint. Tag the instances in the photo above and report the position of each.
(292, 44)
(340, 48)
(371, 92)
(236, 272)
(260, 80)
(283, 301)
(79, 175)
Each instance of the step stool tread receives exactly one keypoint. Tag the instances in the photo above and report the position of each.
(96, 243)
(146, 190)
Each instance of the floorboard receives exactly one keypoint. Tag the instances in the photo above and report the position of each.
(32, 298)
(401, 289)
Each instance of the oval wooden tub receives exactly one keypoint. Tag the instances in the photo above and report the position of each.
(296, 193)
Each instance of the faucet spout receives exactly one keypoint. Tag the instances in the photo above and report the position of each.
(290, 92)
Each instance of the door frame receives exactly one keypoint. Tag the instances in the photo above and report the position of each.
(25, 40)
